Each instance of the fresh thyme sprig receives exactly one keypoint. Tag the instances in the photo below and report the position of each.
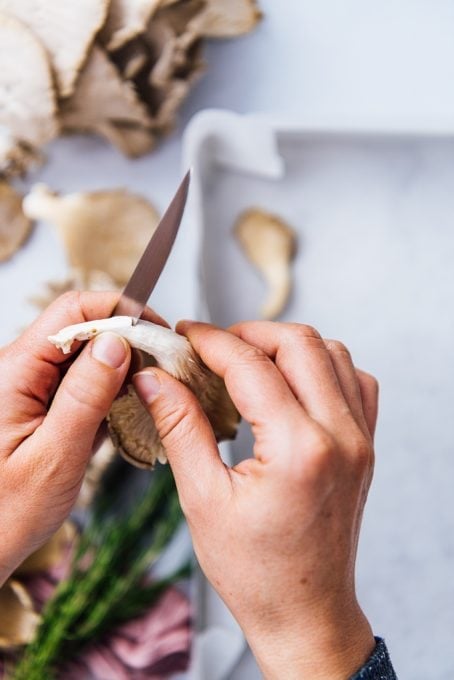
(111, 588)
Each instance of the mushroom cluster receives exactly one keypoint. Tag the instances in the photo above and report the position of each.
(117, 68)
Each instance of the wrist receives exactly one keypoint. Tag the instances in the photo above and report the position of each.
(322, 647)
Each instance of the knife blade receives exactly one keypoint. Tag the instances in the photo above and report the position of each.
(137, 291)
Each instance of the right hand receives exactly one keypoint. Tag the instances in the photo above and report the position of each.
(277, 534)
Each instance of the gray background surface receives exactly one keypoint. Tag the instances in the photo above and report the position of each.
(375, 61)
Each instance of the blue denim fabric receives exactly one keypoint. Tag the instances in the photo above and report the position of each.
(378, 666)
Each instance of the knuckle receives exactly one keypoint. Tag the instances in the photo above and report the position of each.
(85, 393)
(303, 331)
(69, 300)
(317, 461)
(174, 422)
(337, 346)
(301, 335)
(373, 383)
(249, 354)
(362, 455)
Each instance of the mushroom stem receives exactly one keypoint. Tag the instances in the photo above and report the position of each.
(43, 204)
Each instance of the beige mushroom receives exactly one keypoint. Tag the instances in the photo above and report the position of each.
(15, 227)
(126, 19)
(19, 621)
(27, 97)
(98, 464)
(176, 63)
(225, 18)
(130, 425)
(270, 245)
(16, 155)
(105, 104)
(65, 29)
(132, 58)
(95, 280)
(102, 230)
(51, 552)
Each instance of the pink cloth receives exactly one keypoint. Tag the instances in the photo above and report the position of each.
(150, 647)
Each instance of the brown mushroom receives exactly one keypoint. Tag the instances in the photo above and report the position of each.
(130, 425)
(65, 29)
(27, 97)
(16, 155)
(50, 553)
(15, 227)
(126, 19)
(116, 224)
(270, 244)
(225, 18)
(105, 104)
(19, 621)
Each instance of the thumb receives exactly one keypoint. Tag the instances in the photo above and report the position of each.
(186, 435)
(85, 396)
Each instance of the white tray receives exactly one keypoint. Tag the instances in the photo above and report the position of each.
(374, 209)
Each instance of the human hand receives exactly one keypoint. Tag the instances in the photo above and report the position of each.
(277, 534)
(48, 421)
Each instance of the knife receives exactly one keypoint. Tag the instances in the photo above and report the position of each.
(145, 276)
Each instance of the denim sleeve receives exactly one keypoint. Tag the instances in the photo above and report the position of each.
(378, 666)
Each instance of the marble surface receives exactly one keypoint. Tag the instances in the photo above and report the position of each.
(358, 60)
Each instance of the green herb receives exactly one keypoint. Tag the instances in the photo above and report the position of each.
(107, 584)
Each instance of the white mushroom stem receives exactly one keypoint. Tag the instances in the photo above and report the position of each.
(173, 353)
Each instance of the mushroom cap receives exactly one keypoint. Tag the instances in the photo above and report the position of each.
(270, 244)
(16, 155)
(101, 230)
(230, 18)
(104, 104)
(19, 621)
(27, 97)
(96, 280)
(175, 62)
(224, 18)
(130, 425)
(15, 227)
(125, 20)
(66, 30)
(51, 552)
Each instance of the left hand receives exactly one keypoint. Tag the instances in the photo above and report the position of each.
(50, 414)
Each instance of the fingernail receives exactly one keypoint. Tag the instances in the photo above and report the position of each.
(147, 386)
(110, 349)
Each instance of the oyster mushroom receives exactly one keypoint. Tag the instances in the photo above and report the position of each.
(132, 58)
(126, 19)
(50, 553)
(27, 97)
(76, 281)
(66, 30)
(130, 425)
(15, 227)
(270, 245)
(105, 104)
(19, 621)
(116, 224)
(176, 62)
(16, 155)
(227, 18)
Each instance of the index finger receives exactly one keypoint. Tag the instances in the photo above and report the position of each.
(255, 385)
